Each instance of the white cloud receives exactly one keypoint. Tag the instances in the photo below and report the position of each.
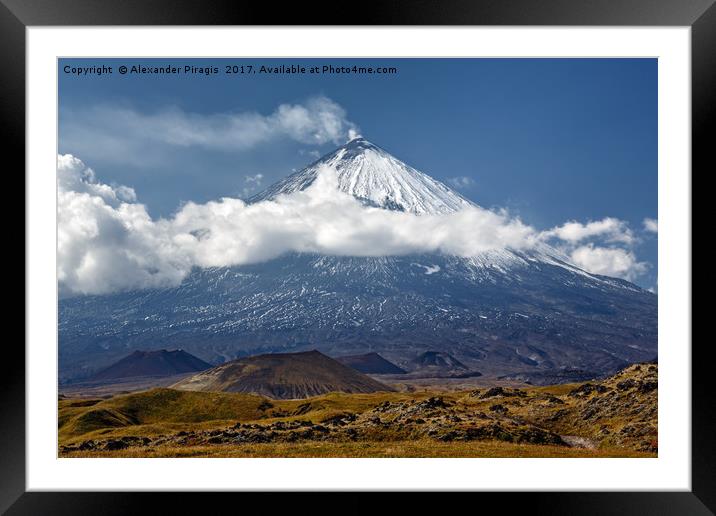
(314, 153)
(601, 247)
(651, 225)
(108, 242)
(251, 184)
(73, 175)
(324, 220)
(104, 242)
(127, 135)
(256, 179)
(461, 182)
(609, 228)
(609, 261)
(320, 121)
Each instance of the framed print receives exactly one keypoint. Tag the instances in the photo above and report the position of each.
(434, 249)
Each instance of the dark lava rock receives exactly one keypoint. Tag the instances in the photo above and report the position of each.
(499, 409)
(453, 435)
(626, 385)
(500, 391)
(588, 388)
(433, 402)
(537, 436)
(302, 409)
(558, 415)
(383, 407)
(116, 444)
(265, 405)
(645, 387)
(589, 413)
(340, 419)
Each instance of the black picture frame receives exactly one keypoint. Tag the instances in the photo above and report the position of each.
(17, 15)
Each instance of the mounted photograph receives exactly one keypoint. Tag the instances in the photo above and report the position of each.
(314, 257)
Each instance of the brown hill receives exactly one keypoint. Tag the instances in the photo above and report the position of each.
(283, 376)
(437, 364)
(152, 363)
(370, 363)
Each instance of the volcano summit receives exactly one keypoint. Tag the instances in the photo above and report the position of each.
(500, 312)
(375, 178)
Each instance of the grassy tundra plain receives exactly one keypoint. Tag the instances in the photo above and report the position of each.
(615, 417)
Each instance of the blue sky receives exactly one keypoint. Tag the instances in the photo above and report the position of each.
(551, 140)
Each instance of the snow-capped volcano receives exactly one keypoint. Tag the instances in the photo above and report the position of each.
(376, 178)
(505, 311)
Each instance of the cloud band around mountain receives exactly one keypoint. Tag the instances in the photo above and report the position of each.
(107, 241)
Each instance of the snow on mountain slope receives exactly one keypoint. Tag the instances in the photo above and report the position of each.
(501, 311)
(376, 178)
(495, 320)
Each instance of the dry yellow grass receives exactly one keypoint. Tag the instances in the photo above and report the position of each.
(405, 449)
(164, 410)
(616, 421)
